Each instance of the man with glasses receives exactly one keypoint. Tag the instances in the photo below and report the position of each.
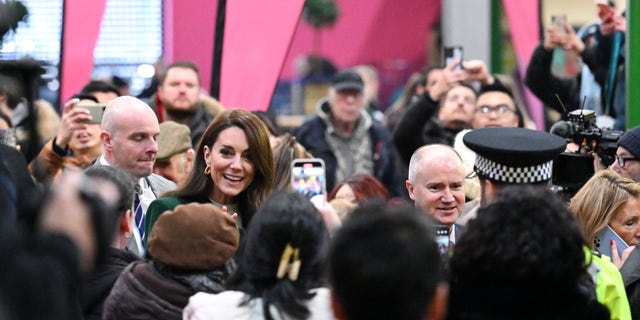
(495, 107)
(628, 155)
(442, 111)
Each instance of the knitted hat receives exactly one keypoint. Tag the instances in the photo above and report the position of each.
(631, 142)
(194, 236)
(173, 139)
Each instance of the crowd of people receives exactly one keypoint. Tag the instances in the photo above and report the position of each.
(439, 208)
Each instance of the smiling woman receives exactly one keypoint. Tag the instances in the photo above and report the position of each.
(233, 168)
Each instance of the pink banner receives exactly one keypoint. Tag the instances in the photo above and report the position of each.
(524, 23)
(189, 28)
(82, 21)
(256, 41)
(393, 38)
(378, 32)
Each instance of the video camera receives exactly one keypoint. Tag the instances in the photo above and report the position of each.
(572, 170)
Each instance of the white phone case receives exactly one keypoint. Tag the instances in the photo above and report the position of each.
(308, 178)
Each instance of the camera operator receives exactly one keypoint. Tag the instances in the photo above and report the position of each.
(627, 156)
(589, 149)
(627, 161)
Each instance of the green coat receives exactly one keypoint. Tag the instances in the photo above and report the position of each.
(159, 206)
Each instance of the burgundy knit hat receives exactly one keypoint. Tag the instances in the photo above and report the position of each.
(194, 236)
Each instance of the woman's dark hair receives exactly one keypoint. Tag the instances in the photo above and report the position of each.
(285, 218)
(85, 96)
(99, 86)
(198, 185)
(364, 186)
(270, 121)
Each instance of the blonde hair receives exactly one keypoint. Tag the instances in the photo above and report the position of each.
(600, 200)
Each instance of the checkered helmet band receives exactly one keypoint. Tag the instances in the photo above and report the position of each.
(499, 172)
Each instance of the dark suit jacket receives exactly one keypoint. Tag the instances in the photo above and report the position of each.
(159, 185)
(27, 193)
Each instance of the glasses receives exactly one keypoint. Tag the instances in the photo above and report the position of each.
(621, 160)
(454, 98)
(500, 109)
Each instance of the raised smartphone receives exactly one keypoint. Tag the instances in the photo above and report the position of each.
(454, 53)
(442, 238)
(602, 242)
(308, 178)
(558, 21)
(96, 111)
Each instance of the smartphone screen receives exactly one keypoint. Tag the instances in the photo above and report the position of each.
(453, 53)
(96, 111)
(442, 239)
(602, 242)
(308, 178)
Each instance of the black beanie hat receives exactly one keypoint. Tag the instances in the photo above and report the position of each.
(631, 142)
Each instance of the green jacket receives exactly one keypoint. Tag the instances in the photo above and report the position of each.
(159, 206)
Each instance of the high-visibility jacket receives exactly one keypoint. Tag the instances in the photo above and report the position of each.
(609, 286)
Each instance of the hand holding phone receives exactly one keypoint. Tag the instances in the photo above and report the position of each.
(95, 110)
(308, 178)
(602, 242)
(558, 21)
(442, 239)
(556, 33)
(453, 53)
(71, 119)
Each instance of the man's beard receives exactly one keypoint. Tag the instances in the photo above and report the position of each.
(458, 125)
(180, 114)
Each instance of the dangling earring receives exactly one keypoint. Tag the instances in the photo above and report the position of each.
(207, 170)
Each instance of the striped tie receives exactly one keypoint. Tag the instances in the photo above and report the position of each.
(139, 219)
